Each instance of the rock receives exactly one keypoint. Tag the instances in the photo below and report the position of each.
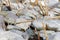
(52, 14)
(30, 32)
(52, 24)
(38, 24)
(23, 34)
(6, 8)
(4, 13)
(31, 13)
(11, 18)
(35, 37)
(23, 23)
(51, 3)
(11, 27)
(17, 6)
(57, 36)
(2, 24)
(50, 34)
(57, 10)
(7, 35)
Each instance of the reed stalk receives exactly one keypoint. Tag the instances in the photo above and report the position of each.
(36, 2)
(38, 35)
(44, 27)
(25, 21)
(9, 3)
(46, 8)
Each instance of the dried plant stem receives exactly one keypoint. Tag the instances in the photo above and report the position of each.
(46, 8)
(56, 17)
(17, 1)
(38, 35)
(25, 21)
(18, 11)
(36, 2)
(1, 6)
(33, 5)
(45, 31)
(18, 6)
(41, 8)
(35, 30)
(59, 0)
(9, 2)
(6, 2)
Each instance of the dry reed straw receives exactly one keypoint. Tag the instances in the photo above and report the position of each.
(38, 35)
(9, 2)
(36, 2)
(46, 8)
(45, 31)
(25, 21)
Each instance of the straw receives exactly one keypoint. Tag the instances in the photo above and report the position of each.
(45, 31)
(32, 3)
(38, 35)
(46, 8)
(9, 2)
(59, 0)
(25, 21)
(36, 2)
(6, 2)
(35, 30)
(0, 6)
(56, 17)
(18, 5)
(41, 7)
(17, 1)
